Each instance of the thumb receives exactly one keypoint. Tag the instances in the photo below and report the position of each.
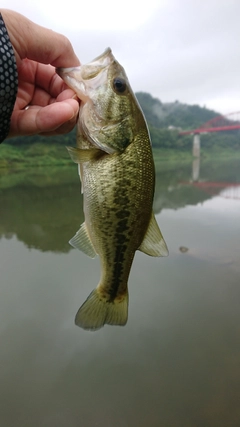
(45, 120)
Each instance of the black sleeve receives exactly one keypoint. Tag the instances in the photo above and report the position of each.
(8, 80)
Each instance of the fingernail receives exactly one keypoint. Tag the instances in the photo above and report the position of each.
(75, 97)
(74, 117)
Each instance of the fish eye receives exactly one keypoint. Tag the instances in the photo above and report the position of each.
(119, 85)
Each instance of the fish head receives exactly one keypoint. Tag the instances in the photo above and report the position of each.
(110, 115)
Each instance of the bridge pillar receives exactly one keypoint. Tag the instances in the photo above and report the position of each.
(196, 145)
(196, 169)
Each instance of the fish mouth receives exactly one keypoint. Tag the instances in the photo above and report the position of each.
(95, 67)
(87, 77)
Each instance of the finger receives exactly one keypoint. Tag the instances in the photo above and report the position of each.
(43, 81)
(40, 85)
(67, 94)
(42, 98)
(47, 78)
(65, 128)
(38, 43)
(36, 120)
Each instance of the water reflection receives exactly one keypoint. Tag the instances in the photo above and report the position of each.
(196, 168)
(182, 184)
(176, 362)
(43, 213)
(43, 208)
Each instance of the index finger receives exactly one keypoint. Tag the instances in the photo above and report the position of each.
(38, 43)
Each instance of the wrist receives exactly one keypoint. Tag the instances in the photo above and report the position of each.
(8, 80)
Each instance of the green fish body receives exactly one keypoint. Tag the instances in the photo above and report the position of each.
(117, 173)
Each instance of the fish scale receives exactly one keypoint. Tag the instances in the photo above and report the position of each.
(117, 235)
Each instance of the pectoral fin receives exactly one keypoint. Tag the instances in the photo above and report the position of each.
(82, 241)
(153, 243)
(79, 155)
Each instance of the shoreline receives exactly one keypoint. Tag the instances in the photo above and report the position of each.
(55, 155)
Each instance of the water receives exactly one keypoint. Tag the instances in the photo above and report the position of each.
(177, 361)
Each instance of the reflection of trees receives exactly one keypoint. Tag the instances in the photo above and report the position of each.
(42, 217)
(46, 211)
(175, 187)
(171, 192)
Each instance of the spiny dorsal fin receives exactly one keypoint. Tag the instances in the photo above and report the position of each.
(82, 241)
(153, 243)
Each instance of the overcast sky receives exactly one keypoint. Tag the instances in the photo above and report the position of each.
(185, 50)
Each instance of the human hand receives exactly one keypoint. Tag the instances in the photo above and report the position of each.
(44, 104)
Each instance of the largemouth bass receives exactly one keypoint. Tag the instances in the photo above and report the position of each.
(117, 174)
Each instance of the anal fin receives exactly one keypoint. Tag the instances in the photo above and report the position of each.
(153, 243)
(82, 241)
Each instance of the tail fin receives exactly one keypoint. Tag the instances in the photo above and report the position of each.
(96, 312)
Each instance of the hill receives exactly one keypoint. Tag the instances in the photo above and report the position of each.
(163, 115)
(165, 120)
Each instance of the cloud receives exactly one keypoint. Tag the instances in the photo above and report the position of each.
(174, 49)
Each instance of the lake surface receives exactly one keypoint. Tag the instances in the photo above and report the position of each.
(177, 361)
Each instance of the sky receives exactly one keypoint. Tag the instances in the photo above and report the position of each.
(181, 50)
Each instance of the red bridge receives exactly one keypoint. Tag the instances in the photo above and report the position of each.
(217, 124)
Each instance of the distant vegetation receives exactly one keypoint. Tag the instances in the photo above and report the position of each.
(164, 120)
(163, 115)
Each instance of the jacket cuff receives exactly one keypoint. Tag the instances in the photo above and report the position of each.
(8, 80)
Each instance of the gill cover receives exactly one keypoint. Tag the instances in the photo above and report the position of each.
(106, 111)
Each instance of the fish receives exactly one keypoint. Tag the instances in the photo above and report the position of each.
(116, 167)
